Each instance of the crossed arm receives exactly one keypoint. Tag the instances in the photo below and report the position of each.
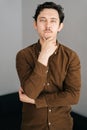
(47, 49)
(32, 82)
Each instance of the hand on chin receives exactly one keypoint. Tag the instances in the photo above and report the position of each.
(46, 37)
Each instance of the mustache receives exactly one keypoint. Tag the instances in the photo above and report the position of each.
(48, 29)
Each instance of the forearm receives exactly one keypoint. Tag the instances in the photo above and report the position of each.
(48, 47)
(43, 59)
(32, 75)
(57, 99)
(35, 82)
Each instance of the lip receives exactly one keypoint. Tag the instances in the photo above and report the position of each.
(47, 31)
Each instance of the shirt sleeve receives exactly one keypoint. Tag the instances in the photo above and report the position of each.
(71, 88)
(32, 78)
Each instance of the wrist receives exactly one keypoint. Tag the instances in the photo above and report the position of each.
(32, 101)
(43, 59)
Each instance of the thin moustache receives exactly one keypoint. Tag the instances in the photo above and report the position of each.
(47, 31)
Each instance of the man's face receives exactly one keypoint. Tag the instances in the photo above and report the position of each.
(48, 23)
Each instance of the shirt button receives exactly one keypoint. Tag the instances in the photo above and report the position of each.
(49, 110)
(47, 71)
(49, 123)
(55, 52)
(48, 84)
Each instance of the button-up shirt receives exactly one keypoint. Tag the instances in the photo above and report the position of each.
(54, 87)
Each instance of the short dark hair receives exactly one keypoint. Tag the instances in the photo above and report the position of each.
(50, 5)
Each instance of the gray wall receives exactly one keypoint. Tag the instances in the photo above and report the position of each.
(10, 43)
(16, 32)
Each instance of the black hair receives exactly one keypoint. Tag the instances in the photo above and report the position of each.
(50, 5)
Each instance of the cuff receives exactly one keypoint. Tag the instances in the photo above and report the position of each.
(41, 102)
(40, 69)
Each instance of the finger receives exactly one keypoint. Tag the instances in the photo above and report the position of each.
(21, 90)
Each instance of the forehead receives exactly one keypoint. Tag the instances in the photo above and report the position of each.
(49, 13)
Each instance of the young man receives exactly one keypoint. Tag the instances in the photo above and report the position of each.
(49, 74)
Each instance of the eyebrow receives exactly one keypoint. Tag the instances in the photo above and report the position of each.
(50, 18)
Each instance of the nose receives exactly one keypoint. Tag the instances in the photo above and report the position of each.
(48, 25)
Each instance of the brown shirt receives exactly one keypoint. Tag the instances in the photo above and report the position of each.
(54, 87)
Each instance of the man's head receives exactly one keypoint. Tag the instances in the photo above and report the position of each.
(48, 20)
(50, 5)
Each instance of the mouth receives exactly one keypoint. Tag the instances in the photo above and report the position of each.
(48, 31)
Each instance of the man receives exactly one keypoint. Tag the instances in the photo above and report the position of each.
(49, 74)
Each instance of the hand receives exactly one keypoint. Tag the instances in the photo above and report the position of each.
(48, 47)
(24, 98)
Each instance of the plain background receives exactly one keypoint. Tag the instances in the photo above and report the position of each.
(17, 32)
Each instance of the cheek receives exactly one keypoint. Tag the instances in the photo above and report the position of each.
(40, 27)
(55, 28)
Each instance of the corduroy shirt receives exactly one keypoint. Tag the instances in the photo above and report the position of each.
(54, 87)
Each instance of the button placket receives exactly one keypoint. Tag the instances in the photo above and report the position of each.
(49, 117)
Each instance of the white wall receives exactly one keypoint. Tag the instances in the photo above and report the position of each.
(10, 43)
(73, 35)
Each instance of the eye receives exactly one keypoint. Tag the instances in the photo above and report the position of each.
(53, 21)
(42, 20)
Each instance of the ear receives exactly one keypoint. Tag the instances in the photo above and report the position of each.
(35, 25)
(60, 27)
